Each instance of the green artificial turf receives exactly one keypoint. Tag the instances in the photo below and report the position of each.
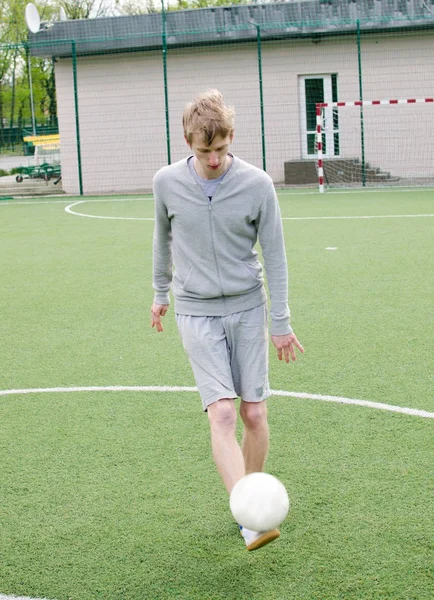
(113, 495)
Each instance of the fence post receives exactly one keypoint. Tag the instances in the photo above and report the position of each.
(77, 121)
(32, 102)
(362, 124)
(261, 94)
(319, 123)
(166, 95)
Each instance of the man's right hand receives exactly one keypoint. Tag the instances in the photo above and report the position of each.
(158, 311)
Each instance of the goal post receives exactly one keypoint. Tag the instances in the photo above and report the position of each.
(375, 143)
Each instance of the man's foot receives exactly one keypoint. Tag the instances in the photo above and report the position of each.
(255, 540)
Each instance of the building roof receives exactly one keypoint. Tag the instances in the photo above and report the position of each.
(234, 24)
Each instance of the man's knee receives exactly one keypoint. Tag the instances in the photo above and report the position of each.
(254, 414)
(223, 414)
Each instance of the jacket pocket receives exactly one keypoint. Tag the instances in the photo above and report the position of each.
(201, 283)
(241, 278)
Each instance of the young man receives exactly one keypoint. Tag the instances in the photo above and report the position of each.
(210, 210)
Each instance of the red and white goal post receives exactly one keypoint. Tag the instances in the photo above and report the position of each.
(379, 142)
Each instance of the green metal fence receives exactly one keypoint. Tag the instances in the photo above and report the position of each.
(122, 84)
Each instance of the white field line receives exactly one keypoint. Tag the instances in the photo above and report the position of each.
(3, 597)
(68, 201)
(314, 192)
(356, 217)
(69, 210)
(156, 388)
(281, 191)
(15, 202)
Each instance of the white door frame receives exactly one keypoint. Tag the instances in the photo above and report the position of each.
(327, 116)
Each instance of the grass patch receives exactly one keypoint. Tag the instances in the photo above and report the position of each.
(110, 495)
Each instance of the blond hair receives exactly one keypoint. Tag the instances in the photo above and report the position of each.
(208, 116)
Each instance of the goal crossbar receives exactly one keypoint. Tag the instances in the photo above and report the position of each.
(357, 103)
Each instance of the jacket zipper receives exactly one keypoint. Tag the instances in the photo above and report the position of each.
(213, 247)
(212, 238)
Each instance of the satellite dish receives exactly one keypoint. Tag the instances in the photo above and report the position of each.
(33, 19)
(62, 14)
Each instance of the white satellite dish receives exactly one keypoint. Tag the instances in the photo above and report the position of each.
(33, 19)
(62, 14)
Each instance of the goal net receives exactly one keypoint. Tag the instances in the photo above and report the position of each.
(375, 143)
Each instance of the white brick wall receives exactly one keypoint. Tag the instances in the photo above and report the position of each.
(122, 111)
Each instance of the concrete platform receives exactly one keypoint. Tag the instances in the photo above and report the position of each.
(29, 187)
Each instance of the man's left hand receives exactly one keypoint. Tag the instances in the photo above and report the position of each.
(285, 345)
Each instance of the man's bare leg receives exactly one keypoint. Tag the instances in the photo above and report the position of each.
(226, 451)
(256, 436)
(229, 457)
(255, 450)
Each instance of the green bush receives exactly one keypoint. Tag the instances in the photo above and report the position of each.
(3, 173)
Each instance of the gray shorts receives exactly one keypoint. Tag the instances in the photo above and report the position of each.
(228, 355)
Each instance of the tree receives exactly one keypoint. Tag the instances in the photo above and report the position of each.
(137, 7)
(4, 65)
(140, 7)
(17, 67)
(85, 9)
(188, 4)
(12, 31)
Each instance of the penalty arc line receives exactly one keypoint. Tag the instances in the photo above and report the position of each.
(147, 196)
(155, 388)
(69, 210)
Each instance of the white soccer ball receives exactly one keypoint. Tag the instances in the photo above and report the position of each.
(259, 502)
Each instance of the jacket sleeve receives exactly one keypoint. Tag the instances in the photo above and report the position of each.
(270, 235)
(162, 247)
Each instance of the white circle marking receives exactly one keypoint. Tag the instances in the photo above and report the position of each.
(156, 388)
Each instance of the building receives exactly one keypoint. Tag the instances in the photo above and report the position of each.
(123, 82)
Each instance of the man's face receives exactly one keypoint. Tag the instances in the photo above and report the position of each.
(211, 161)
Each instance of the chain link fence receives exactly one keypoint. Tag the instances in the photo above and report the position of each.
(121, 85)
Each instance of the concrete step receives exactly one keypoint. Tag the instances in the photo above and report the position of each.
(302, 172)
(351, 171)
(16, 193)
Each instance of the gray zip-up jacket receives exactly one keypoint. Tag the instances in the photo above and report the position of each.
(210, 244)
